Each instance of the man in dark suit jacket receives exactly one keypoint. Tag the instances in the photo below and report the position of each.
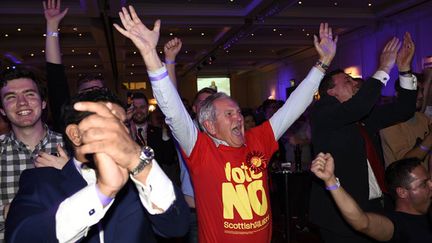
(126, 198)
(335, 121)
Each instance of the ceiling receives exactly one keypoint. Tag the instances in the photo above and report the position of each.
(238, 35)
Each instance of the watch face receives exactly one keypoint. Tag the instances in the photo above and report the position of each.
(148, 152)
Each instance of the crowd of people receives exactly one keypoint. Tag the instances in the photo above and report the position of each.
(105, 170)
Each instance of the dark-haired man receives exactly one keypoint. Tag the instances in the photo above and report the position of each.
(22, 102)
(411, 187)
(344, 123)
(126, 198)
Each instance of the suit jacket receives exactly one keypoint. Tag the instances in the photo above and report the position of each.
(32, 214)
(335, 130)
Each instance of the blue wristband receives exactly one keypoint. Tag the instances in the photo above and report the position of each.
(333, 187)
(105, 200)
(169, 62)
(424, 148)
(159, 77)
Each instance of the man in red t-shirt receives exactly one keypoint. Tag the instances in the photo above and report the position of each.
(228, 166)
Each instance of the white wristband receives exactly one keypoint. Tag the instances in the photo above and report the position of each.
(53, 33)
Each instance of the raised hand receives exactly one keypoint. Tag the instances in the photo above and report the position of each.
(406, 53)
(143, 38)
(326, 44)
(388, 55)
(48, 160)
(52, 12)
(172, 48)
(323, 166)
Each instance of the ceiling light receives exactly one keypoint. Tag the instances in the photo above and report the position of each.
(43, 51)
(6, 35)
(231, 0)
(133, 64)
(369, 4)
(79, 34)
(75, 29)
(303, 29)
(335, 3)
(73, 50)
(19, 29)
(99, 74)
(307, 34)
(7, 67)
(171, 34)
(95, 66)
(58, 29)
(300, 2)
(79, 74)
(202, 34)
(252, 34)
(72, 66)
(134, 52)
(190, 28)
(31, 54)
(186, 52)
(250, 51)
(89, 53)
(131, 73)
(227, 51)
(280, 34)
(274, 30)
(160, 52)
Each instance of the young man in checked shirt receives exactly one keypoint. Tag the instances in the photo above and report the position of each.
(29, 143)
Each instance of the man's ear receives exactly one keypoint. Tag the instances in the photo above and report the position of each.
(209, 127)
(2, 112)
(401, 192)
(43, 105)
(73, 134)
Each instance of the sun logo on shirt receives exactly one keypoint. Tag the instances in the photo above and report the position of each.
(255, 161)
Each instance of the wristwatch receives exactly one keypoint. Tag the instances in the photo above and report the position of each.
(146, 157)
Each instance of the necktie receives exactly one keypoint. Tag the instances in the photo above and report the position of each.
(140, 138)
(374, 159)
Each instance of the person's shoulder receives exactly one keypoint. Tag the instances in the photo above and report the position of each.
(54, 134)
(42, 174)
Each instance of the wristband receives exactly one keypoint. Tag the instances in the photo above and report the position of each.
(424, 148)
(169, 62)
(405, 73)
(159, 77)
(52, 33)
(333, 187)
(322, 65)
(105, 200)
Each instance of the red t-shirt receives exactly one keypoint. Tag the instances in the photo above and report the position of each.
(231, 187)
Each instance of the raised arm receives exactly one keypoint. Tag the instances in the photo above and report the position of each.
(171, 49)
(53, 16)
(300, 99)
(164, 91)
(58, 89)
(374, 225)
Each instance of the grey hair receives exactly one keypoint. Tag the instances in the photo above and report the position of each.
(208, 111)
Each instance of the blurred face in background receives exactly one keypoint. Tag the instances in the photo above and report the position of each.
(140, 110)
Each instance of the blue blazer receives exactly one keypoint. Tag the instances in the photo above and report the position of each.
(31, 216)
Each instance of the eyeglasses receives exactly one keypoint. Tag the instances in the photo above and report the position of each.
(92, 88)
(422, 185)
